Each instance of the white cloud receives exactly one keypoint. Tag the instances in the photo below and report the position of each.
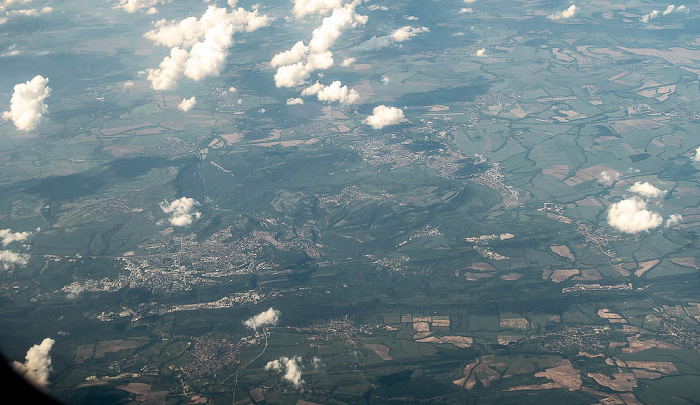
(608, 178)
(383, 116)
(400, 35)
(8, 236)
(290, 368)
(294, 67)
(466, 10)
(187, 103)
(646, 17)
(295, 101)
(27, 105)
(469, 1)
(386, 80)
(631, 216)
(28, 12)
(350, 61)
(673, 219)
(132, 6)
(305, 7)
(697, 154)
(646, 190)
(296, 54)
(128, 84)
(181, 210)
(563, 15)
(37, 366)
(481, 52)
(208, 40)
(8, 258)
(169, 71)
(335, 92)
(670, 9)
(405, 33)
(266, 318)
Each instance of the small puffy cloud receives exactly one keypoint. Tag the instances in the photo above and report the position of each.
(386, 80)
(267, 318)
(348, 62)
(469, 1)
(7, 236)
(128, 84)
(294, 67)
(650, 16)
(335, 92)
(306, 7)
(405, 33)
(466, 10)
(697, 154)
(608, 178)
(9, 258)
(132, 6)
(208, 40)
(670, 9)
(37, 365)
(563, 15)
(400, 35)
(673, 219)
(27, 106)
(632, 216)
(646, 190)
(290, 368)
(481, 52)
(295, 101)
(187, 103)
(28, 12)
(181, 211)
(383, 116)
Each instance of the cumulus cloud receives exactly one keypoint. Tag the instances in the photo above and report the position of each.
(466, 10)
(28, 12)
(650, 16)
(608, 178)
(7, 236)
(181, 211)
(383, 116)
(267, 318)
(295, 101)
(290, 368)
(37, 365)
(305, 7)
(9, 258)
(400, 35)
(187, 103)
(563, 15)
(646, 190)
(481, 52)
(697, 154)
(405, 33)
(132, 6)
(632, 216)
(208, 40)
(656, 13)
(335, 92)
(673, 219)
(27, 106)
(348, 62)
(294, 67)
